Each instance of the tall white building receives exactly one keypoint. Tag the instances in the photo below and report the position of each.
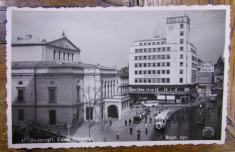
(164, 68)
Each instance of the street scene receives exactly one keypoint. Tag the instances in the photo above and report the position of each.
(160, 81)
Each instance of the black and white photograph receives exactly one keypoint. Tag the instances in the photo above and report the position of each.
(86, 77)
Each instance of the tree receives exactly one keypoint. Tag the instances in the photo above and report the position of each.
(92, 96)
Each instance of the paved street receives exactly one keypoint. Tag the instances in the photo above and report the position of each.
(182, 125)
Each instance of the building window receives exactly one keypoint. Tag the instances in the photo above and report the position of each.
(181, 80)
(145, 72)
(145, 80)
(159, 80)
(72, 56)
(52, 94)
(145, 50)
(168, 80)
(181, 72)
(158, 72)
(149, 71)
(136, 65)
(154, 49)
(168, 64)
(153, 43)
(149, 57)
(154, 64)
(149, 80)
(136, 57)
(163, 64)
(168, 56)
(145, 57)
(154, 72)
(163, 49)
(136, 50)
(181, 56)
(54, 54)
(20, 96)
(163, 80)
(21, 115)
(181, 48)
(68, 56)
(140, 64)
(149, 64)
(158, 42)
(163, 57)
(163, 71)
(154, 57)
(168, 71)
(149, 50)
(136, 72)
(64, 56)
(140, 43)
(149, 43)
(140, 50)
(162, 42)
(158, 56)
(158, 64)
(20, 82)
(136, 80)
(140, 72)
(181, 33)
(181, 26)
(181, 63)
(140, 57)
(145, 64)
(144, 43)
(181, 41)
(158, 49)
(140, 80)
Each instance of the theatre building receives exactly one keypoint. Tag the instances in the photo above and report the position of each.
(51, 86)
(164, 68)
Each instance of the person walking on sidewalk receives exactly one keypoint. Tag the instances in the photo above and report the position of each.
(138, 134)
(150, 119)
(131, 130)
(110, 122)
(117, 135)
(129, 122)
(125, 122)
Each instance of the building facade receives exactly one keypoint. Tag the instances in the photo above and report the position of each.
(52, 87)
(164, 68)
(205, 78)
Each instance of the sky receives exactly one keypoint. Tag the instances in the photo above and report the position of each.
(105, 37)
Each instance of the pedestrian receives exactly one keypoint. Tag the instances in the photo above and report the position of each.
(110, 122)
(138, 134)
(117, 135)
(150, 119)
(146, 118)
(129, 122)
(125, 123)
(131, 129)
(104, 140)
(146, 130)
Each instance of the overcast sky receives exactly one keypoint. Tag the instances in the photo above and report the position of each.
(105, 37)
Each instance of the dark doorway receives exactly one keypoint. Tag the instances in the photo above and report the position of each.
(113, 111)
(52, 117)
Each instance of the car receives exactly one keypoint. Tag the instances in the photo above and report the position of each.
(137, 119)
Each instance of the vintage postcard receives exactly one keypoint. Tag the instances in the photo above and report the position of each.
(86, 77)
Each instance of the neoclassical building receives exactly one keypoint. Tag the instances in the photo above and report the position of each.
(52, 86)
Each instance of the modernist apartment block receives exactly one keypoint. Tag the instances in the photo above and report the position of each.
(51, 86)
(164, 68)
